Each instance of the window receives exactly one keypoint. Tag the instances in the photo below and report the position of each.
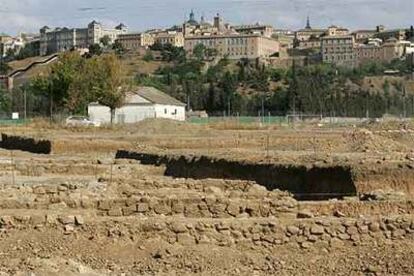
(165, 111)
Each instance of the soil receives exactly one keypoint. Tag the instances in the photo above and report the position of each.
(81, 211)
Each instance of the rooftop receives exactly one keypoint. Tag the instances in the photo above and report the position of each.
(156, 96)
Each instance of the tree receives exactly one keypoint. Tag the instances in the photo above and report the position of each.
(4, 67)
(55, 86)
(29, 50)
(118, 48)
(95, 50)
(148, 56)
(199, 51)
(4, 100)
(102, 80)
(11, 53)
(105, 40)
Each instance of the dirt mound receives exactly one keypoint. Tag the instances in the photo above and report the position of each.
(364, 140)
(154, 126)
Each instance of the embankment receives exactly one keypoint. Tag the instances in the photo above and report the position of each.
(302, 181)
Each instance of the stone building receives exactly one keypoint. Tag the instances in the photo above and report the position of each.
(311, 43)
(8, 43)
(194, 28)
(338, 50)
(133, 41)
(343, 51)
(263, 30)
(169, 37)
(399, 34)
(63, 39)
(362, 36)
(236, 46)
(309, 32)
(336, 31)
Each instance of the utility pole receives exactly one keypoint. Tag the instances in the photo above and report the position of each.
(263, 110)
(25, 104)
(404, 107)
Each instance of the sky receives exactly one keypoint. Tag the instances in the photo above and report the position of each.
(30, 15)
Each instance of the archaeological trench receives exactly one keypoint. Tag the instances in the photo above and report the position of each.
(196, 200)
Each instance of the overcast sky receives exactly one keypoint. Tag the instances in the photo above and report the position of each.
(30, 15)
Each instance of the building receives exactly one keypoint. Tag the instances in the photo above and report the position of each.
(194, 28)
(170, 37)
(336, 31)
(338, 50)
(399, 34)
(236, 46)
(140, 104)
(311, 43)
(8, 43)
(135, 40)
(263, 30)
(343, 51)
(308, 32)
(63, 39)
(362, 36)
(286, 38)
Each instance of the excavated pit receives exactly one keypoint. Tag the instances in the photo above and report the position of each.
(305, 183)
(12, 142)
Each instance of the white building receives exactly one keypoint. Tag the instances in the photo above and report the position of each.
(140, 104)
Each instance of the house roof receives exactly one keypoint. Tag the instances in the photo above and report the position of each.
(156, 96)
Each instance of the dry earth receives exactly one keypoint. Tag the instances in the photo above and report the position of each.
(80, 211)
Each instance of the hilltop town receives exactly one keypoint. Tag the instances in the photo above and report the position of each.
(220, 68)
(278, 47)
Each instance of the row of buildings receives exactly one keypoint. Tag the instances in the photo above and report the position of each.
(342, 47)
(235, 42)
(334, 44)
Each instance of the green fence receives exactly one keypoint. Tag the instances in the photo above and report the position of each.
(9, 122)
(241, 120)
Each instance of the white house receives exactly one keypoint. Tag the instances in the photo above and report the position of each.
(140, 104)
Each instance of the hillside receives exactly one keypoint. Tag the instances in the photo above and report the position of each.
(135, 64)
(40, 69)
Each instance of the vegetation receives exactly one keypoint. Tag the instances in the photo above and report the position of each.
(95, 50)
(4, 67)
(74, 82)
(105, 41)
(250, 88)
(219, 86)
(148, 56)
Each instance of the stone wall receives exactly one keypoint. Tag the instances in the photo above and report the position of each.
(304, 233)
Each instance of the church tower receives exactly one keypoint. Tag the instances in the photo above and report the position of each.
(308, 26)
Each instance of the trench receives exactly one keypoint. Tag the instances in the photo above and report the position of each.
(305, 183)
(12, 142)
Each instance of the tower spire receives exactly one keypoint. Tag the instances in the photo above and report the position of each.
(192, 18)
(308, 26)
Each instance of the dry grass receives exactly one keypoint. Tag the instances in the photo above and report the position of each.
(91, 146)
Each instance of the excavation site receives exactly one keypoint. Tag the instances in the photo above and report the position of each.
(168, 198)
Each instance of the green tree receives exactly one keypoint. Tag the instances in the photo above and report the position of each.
(105, 40)
(118, 48)
(55, 86)
(199, 51)
(95, 50)
(29, 50)
(4, 67)
(148, 56)
(103, 81)
(4, 100)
